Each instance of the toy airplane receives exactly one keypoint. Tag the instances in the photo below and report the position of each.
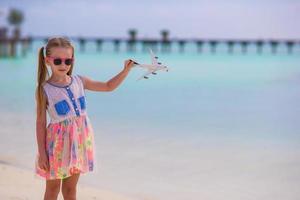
(153, 67)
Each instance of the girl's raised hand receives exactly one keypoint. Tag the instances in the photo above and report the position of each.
(128, 64)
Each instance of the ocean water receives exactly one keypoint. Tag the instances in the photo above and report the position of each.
(215, 126)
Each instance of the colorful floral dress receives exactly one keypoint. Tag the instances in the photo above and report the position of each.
(69, 135)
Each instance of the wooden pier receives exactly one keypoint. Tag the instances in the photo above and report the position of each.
(8, 45)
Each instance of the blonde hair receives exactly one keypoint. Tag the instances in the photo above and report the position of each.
(43, 73)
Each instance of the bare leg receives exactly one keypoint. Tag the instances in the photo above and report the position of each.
(69, 187)
(52, 189)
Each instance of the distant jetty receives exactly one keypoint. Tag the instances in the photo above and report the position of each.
(8, 45)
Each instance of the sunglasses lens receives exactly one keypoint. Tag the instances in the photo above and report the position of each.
(57, 61)
(68, 61)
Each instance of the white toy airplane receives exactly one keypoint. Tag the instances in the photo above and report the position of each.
(153, 67)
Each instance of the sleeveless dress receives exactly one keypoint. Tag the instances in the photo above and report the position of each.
(69, 135)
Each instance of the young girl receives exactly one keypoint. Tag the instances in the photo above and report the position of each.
(66, 145)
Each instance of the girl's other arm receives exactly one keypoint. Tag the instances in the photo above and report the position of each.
(41, 121)
(109, 85)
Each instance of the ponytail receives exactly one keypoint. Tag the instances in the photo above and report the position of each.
(41, 78)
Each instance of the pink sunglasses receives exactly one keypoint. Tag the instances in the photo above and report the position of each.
(58, 61)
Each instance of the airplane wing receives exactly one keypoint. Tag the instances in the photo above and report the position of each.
(153, 58)
(148, 72)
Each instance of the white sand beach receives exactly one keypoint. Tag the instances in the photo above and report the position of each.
(20, 184)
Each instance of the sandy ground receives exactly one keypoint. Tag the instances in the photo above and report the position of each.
(20, 184)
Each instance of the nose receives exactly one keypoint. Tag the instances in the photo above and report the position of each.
(63, 67)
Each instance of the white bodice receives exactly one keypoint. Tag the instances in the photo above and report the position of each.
(65, 101)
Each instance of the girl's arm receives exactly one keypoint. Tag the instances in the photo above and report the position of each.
(41, 121)
(109, 85)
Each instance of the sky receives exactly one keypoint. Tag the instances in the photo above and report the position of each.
(220, 19)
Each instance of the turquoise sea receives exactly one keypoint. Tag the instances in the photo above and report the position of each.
(216, 126)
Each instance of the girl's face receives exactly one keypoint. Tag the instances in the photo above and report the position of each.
(59, 60)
